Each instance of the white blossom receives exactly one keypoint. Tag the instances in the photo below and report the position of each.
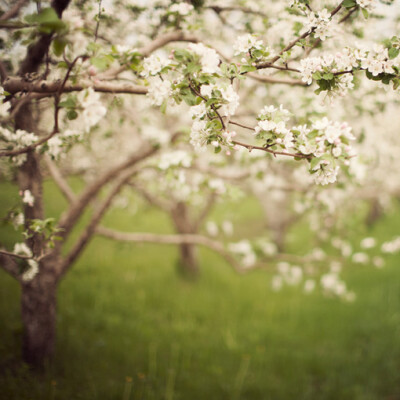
(245, 43)
(22, 249)
(27, 198)
(209, 58)
(159, 90)
(31, 272)
(181, 8)
(153, 65)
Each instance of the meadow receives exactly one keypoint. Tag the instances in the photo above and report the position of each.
(129, 327)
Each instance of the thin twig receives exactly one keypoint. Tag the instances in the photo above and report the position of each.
(9, 253)
(98, 22)
(13, 11)
(251, 147)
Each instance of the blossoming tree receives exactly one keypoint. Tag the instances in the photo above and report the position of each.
(223, 70)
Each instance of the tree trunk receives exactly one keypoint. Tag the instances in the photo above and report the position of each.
(38, 308)
(375, 212)
(188, 264)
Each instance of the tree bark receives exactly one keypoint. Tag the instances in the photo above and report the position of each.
(188, 264)
(38, 309)
(375, 212)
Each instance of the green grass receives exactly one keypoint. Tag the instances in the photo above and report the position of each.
(130, 328)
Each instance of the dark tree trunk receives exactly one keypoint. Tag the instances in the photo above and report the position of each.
(38, 309)
(188, 264)
(375, 212)
(39, 321)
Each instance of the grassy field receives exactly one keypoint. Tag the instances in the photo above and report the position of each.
(130, 328)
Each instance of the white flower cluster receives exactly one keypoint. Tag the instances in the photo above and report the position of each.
(217, 185)
(22, 250)
(339, 66)
(287, 274)
(18, 140)
(90, 112)
(4, 107)
(209, 58)
(344, 247)
(245, 251)
(159, 90)
(31, 272)
(181, 8)
(153, 65)
(321, 23)
(324, 140)
(55, 146)
(333, 285)
(213, 229)
(293, 275)
(199, 135)
(27, 198)
(93, 109)
(228, 103)
(174, 159)
(367, 4)
(368, 243)
(246, 43)
(18, 220)
(33, 267)
(392, 246)
(229, 97)
(327, 64)
(377, 61)
(274, 120)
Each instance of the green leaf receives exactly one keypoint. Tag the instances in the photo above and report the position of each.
(328, 76)
(349, 3)
(101, 63)
(393, 52)
(247, 68)
(70, 102)
(316, 75)
(365, 13)
(217, 150)
(72, 114)
(62, 64)
(314, 162)
(396, 83)
(59, 46)
(47, 21)
(163, 107)
(181, 54)
(192, 67)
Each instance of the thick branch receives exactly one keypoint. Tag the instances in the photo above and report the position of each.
(172, 240)
(87, 234)
(16, 85)
(37, 51)
(245, 10)
(205, 211)
(161, 41)
(273, 79)
(9, 265)
(59, 180)
(150, 198)
(71, 216)
(13, 11)
(157, 43)
(293, 43)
